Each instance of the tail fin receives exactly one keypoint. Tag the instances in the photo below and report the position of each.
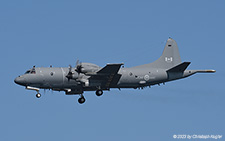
(170, 56)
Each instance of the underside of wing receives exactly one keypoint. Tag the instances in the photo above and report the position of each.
(107, 77)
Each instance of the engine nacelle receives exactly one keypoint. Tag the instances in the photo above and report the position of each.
(89, 67)
(86, 83)
(74, 76)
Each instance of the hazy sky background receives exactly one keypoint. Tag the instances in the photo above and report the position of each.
(52, 32)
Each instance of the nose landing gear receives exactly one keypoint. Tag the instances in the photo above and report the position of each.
(38, 95)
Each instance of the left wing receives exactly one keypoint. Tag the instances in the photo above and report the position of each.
(107, 77)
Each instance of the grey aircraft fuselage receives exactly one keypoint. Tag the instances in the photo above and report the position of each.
(90, 77)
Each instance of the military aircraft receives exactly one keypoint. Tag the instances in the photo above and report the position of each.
(91, 77)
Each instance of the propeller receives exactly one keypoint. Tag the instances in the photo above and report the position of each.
(78, 67)
(70, 73)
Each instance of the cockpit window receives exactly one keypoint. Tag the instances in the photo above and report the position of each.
(27, 72)
(31, 71)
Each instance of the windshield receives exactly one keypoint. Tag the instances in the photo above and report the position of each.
(31, 71)
(27, 72)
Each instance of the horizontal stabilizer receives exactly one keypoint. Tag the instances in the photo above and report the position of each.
(179, 68)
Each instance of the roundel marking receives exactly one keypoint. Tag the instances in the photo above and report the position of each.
(146, 77)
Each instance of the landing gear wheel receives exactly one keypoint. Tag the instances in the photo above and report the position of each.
(38, 95)
(81, 100)
(99, 92)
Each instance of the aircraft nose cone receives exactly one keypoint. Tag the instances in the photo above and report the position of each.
(20, 80)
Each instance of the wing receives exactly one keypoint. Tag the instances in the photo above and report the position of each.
(106, 77)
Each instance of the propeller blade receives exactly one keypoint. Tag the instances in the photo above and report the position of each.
(78, 67)
(70, 68)
(69, 75)
(77, 62)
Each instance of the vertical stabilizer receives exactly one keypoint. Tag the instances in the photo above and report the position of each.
(170, 56)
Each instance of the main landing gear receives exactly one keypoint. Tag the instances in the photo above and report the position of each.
(99, 92)
(81, 100)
